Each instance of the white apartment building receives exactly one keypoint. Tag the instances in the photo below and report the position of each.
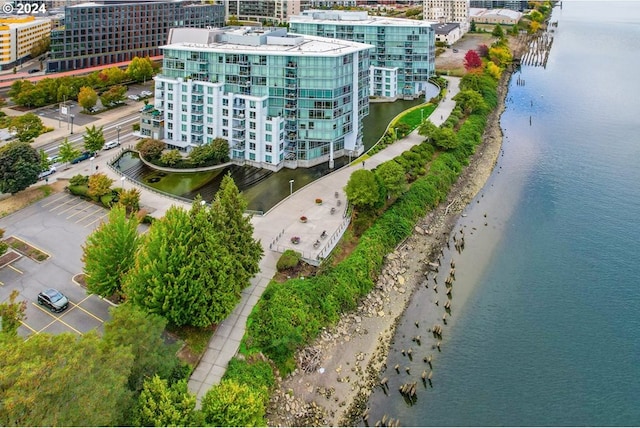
(279, 99)
(445, 11)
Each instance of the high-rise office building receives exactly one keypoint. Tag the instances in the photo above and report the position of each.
(18, 34)
(279, 99)
(404, 56)
(273, 11)
(107, 32)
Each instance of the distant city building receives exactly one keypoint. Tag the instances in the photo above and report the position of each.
(519, 5)
(404, 56)
(107, 32)
(279, 99)
(18, 35)
(445, 11)
(494, 16)
(329, 4)
(272, 11)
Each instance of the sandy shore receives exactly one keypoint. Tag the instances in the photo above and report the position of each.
(351, 354)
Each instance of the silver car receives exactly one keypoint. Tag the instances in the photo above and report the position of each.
(53, 299)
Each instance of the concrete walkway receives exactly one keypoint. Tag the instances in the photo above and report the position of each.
(277, 227)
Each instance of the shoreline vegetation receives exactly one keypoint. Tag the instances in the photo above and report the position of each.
(353, 352)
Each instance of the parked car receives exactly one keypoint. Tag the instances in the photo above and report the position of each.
(133, 97)
(53, 159)
(34, 70)
(53, 299)
(111, 145)
(83, 156)
(146, 93)
(46, 173)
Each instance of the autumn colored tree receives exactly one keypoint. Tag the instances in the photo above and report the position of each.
(500, 55)
(140, 69)
(87, 97)
(150, 149)
(130, 200)
(113, 95)
(99, 185)
(12, 312)
(109, 253)
(171, 157)
(483, 50)
(472, 60)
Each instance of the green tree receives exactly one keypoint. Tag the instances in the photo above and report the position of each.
(87, 97)
(45, 164)
(27, 127)
(446, 139)
(109, 253)
(220, 148)
(19, 167)
(132, 328)
(93, 139)
(3, 245)
(140, 69)
(233, 404)
(392, 176)
(67, 152)
(185, 271)
(171, 157)
(362, 189)
(149, 148)
(470, 101)
(40, 46)
(12, 312)
(161, 405)
(63, 380)
(498, 31)
(99, 185)
(472, 27)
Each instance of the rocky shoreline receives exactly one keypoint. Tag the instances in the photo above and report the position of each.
(343, 365)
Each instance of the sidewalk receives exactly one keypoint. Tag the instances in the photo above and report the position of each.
(278, 225)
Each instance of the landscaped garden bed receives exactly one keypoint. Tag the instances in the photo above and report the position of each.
(26, 249)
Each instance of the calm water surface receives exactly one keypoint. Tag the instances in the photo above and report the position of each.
(545, 322)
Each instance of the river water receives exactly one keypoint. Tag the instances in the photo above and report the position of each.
(545, 321)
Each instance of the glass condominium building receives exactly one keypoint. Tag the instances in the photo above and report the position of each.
(404, 56)
(108, 32)
(280, 100)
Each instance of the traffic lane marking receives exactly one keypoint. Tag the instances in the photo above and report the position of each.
(63, 204)
(80, 320)
(54, 201)
(55, 318)
(98, 219)
(89, 215)
(15, 269)
(79, 212)
(72, 207)
(77, 305)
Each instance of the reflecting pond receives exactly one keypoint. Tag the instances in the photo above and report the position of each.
(262, 189)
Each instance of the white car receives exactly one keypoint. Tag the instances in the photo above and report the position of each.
(146, 93)
(111, 145)
(45, 174)
(133, 97)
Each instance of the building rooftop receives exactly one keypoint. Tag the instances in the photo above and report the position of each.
(258, 40)
(445, 28)
(481, 12)
(337, 17)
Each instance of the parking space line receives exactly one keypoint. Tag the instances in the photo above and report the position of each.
(88, 215)
(55, 318)
(16, 269)
(99, 218)
(28, 326)
(72, 207)
(54, 201)
(83, 210)
(63, 204)
(84, 310)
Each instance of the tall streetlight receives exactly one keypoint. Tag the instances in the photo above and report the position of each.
(291, 187)
(123, 178)
(118, 129)
(92, 158)
(72, 116)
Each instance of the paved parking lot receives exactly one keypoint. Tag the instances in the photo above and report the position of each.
(58, 226)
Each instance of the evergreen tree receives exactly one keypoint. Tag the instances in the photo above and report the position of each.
(109, 253)
(19, 167)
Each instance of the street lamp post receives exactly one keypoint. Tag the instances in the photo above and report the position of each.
(291, 187)
(118, 129)
(72, 116)
(92, 158)
(123, 178)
